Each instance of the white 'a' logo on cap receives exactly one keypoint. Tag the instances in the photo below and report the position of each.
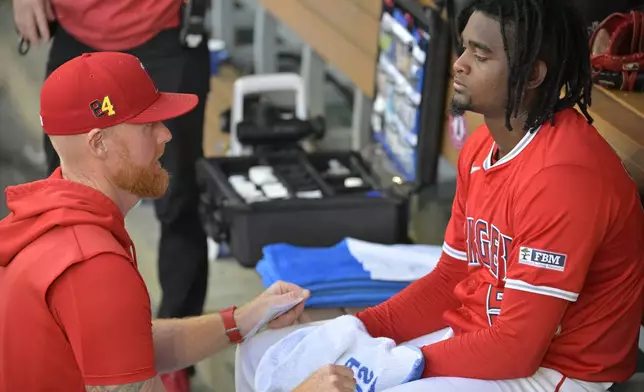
(146, 72)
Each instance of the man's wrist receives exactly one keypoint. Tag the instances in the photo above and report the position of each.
(231, 328)
(241, 318)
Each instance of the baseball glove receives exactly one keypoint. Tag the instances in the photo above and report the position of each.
(617, 51)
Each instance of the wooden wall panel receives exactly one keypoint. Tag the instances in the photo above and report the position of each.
(353, 59)
(216, 142)
(619, 118)
(353, 22)
(372, 7)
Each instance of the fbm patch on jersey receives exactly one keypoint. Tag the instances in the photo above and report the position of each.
(542, 259)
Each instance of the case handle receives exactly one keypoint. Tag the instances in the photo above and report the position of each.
(253, 84)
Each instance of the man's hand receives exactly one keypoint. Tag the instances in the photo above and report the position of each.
(331, 378)
(280, 293)
(32, 17)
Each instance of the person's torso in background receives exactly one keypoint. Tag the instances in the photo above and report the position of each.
(116, 25)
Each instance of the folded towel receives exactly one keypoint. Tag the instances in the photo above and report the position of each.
(270, 276)
(349, 273)
(350, 259)
(394, 262)
(306, 265)
(348, 298)
(341, 293)
(377, 363)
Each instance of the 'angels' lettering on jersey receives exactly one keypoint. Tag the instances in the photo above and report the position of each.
(488, 246)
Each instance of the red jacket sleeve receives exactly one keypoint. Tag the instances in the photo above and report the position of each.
(418, 310)
(513, 348)
(103, 307)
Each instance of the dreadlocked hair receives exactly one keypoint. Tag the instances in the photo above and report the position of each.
(548, 30)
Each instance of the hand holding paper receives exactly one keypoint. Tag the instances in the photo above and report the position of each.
(279, 306)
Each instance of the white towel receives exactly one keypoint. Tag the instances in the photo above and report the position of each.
(377, 363)
(400, 262)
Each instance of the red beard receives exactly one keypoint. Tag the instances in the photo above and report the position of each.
(146, 182)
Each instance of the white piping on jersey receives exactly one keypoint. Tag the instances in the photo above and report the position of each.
(544, 290)
(451, 252)
(513, 153)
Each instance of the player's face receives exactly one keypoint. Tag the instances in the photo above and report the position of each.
(138, 149)
(481, 72)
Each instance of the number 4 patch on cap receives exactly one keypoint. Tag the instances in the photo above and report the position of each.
(100, 108)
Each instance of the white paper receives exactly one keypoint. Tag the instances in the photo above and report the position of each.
(271, 314)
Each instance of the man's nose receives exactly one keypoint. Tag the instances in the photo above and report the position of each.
(460, 65)
(163, 133)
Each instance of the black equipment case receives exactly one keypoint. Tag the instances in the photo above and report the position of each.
(322, 206)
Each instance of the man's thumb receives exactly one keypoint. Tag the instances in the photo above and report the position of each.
(293, 297)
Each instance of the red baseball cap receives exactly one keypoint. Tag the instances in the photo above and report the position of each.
(99, 90)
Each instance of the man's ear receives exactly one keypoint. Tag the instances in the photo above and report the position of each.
(96, 142)
(538, 75)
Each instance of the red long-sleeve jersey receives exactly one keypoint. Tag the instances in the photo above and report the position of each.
(542, 266)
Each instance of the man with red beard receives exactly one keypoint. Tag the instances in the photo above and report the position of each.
(151, 31)
(74, 311)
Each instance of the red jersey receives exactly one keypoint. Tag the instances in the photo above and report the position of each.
(74, 310)
(555, 226)
(116, 25)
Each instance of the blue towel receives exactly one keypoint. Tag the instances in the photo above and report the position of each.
(348, 299)
(334, 277)
(303, 265)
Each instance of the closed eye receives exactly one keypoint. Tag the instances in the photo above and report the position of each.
(476, 56)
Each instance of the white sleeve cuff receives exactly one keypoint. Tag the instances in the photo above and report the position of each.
(544, 290)
(451, 252)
